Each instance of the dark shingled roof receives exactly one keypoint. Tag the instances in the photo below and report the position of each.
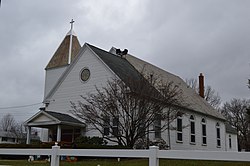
(63, 117)
(126, 72)
(129, 68)
(60, 57)
(119, 65)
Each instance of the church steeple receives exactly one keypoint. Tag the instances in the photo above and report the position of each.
(67, 50)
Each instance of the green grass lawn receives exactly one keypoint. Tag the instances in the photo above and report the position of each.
(126, 162)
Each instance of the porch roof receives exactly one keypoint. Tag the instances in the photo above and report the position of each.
(50, 118)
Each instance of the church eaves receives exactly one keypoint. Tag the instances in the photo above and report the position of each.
(61, 56)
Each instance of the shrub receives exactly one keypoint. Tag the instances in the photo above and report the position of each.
(89, 140)
(160, 143)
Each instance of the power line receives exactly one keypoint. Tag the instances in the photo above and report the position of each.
(20, 106)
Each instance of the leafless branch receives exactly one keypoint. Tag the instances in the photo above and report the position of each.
(137, 105)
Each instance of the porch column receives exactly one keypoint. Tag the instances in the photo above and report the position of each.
(59, 132)
(28, 135)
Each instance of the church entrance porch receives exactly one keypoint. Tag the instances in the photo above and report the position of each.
(61, 127)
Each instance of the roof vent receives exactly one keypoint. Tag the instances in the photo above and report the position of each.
(122, 53)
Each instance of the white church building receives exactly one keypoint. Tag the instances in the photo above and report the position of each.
(76, 70)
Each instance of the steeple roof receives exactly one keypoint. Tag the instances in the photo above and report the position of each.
(61, 56)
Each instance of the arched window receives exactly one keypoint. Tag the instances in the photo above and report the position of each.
(204, 131)
(192, 129)
(179, 127)
(218, 135)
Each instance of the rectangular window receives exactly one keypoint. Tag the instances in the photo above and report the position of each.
(218, 143)
(115, 126)
(192, 127)
(218, 137)
(192, 132)
(4, 139)
(179, 129)
(157, 132)
(192, 138)
(218, 132)
(230, 142)
(204, 134)
(179, 124)
(106, 124)
(157, 126)
(204, 140)
(179, 137)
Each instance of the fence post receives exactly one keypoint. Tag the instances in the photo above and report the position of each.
(153, 156)
(54, 155)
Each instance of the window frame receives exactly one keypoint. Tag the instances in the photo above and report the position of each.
(157, 126)
(203, 132)
(84, 71)
(179, 131)
(218, 135)
(230, 142)
(192, 134)
(4, 139)
(115, 126)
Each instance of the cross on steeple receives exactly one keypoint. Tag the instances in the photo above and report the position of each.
(71, 22)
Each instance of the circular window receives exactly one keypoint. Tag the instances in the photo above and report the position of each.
(85, 74)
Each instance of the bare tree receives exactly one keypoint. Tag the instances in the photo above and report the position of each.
(237, 113)
(192, 83)
(19, 131)
(7, 122)
(13, 128)
(130, 111)
(211, 96)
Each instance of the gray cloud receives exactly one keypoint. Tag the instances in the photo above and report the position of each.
(183, 37)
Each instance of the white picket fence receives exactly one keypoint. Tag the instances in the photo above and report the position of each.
(153, 154)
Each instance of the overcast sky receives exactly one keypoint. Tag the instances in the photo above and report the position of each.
(180, 36)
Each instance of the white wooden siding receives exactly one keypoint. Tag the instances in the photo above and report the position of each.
(42, 118)
(211, 134)
(72, 87)
(51, 77)
(234, 142)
